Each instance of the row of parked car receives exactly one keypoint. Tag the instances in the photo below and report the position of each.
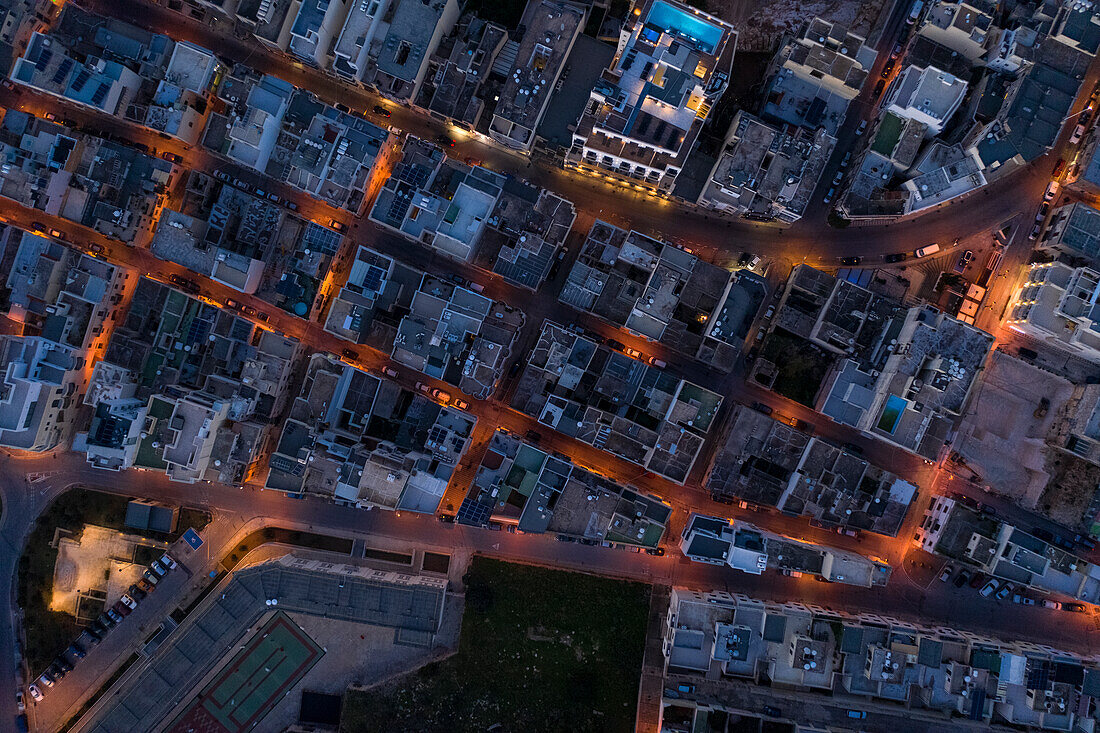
(101, 626)
(1002, 590)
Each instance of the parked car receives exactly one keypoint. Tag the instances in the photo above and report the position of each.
(137, 593)
(964, 259)
(105, 621)
(1044, 534)
(171, 157)
(1078, 133)
(857, 714)
(533, 436)
(36, 694)
(1004, 592)
(380, 110)
(632, 353)
(977, 580)
(46, 679)
(183, 283)
(338, 226)
(1075, 607)
(862, 127)
(115, 615)
(460, 404)
(19, 704)
(771, 712)
(76, 650)
(878, 88)
(150, 577)
(145, 585)
(1023, 600)
(292, 206)
(1059, 168)
(846, 160)
(350, 354)
(158, 568)
(1052, 191)
(988, 588)
(390, 372)
(659, 363)
(962, 578)
(121, 608)
(445, 141)
(1052, 604)
(829, 194)
(948, 571)
(342, 107)
(1044, 209)
(761, 407)
(1035, 230)
(852, 448)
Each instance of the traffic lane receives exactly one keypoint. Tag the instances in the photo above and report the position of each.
(64, 699)
(585, 191)
(939, 603)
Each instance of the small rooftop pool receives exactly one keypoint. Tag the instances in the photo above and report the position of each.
(672, 19)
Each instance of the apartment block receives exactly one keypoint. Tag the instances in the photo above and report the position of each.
(521, 485)
(1005, 551)
(615, 403)
(367, 442)
(767, 171)
(753, 550)
(1057, 305)
(645, 111)
(654, 289)
(769, 463)
(815, 76)
(550, 28)
(106, 186)
(398, 61)
(730, 652)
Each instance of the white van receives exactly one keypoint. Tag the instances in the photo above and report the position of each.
(928, 249)
(914, 12)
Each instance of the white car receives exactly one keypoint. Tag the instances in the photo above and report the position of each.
(36, 694)
(1052, 191)
(128, 602)
(988, 588)
(1078, 133)
(20, 706)
(862, 127)
(167, 561)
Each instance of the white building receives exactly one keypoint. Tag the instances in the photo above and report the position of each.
(926, 95)
(1058, 306)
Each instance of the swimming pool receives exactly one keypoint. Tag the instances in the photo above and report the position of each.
(891, 413)
(672, 19)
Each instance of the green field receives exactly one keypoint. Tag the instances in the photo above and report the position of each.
(540, 650)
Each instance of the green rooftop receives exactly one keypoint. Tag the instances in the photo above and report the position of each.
(889, 133)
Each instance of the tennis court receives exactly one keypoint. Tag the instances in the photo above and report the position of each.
(257, 677)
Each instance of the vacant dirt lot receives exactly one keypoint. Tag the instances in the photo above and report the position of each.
(760, 23)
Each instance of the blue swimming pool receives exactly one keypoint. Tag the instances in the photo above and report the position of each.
(669, 18)
(891, 413)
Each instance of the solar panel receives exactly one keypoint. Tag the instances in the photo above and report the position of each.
(373, 279)
(100, 93)
(473, 513)
(65, 67)
(44, 59)
(81, 79)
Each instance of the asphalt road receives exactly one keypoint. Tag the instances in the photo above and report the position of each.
(913, 593)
